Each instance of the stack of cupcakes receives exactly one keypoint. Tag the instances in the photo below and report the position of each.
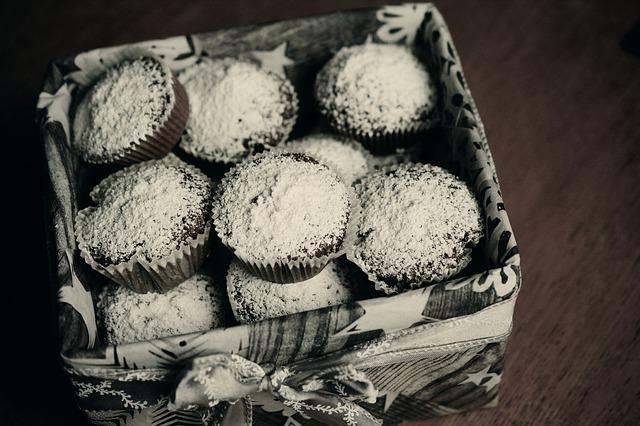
(284, 215)
(288, 210)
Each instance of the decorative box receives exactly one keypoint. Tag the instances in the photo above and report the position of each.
(429, 352)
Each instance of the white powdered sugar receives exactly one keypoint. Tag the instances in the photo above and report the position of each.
(235, 107)
(281, 207)
(150, 209)
(253, 299)
(127, 105)
(418, 224)
(375, 88)
(345, 156)
(195, 305)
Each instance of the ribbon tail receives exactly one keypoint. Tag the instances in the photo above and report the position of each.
(331, 410)
(238, 414)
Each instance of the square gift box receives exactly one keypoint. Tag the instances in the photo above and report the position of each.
(428, 352)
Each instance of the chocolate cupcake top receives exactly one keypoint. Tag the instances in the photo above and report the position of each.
(345, 156)
(418, 224)
(253, 299)
(375, 89)
(282, 207)
(195, 305)
(150, 209)
(237, 109)
(128, 104)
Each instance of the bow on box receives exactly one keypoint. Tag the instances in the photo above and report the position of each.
(326, 396)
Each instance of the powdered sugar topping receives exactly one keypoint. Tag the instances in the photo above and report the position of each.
(375, 88)
(345, 156)
(253, 299)
(281, 207)
(418, 224)
(150, 209)
(127, 105)
(236, 108)
(195, 305)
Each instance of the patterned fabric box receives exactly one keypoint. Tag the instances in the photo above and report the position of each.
(428, 352)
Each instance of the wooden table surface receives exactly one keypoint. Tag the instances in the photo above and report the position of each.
(561, 105)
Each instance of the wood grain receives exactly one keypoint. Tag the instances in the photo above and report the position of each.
(561, 105)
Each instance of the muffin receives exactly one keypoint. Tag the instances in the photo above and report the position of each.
(418, 224)
(149, 227)
(284, 215)
(135, 112)
(345, 156)
(253, 299)
(379, 94)
(237, 109)
(126, 317)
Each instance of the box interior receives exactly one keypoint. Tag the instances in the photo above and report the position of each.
(308, 44)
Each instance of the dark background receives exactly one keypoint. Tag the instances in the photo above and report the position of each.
(561, 103)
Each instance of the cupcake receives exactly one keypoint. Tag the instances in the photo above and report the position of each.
(237, 109)
(284, 215)
(345, 156)
(135, 112)
(417, 225)
(253, 299)
(149, 227)
(126, 317)
(379, 94)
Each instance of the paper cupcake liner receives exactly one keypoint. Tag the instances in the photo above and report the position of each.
(289, 272)
(233, 304)
(388, 143)
(165, 138)
(159, 276)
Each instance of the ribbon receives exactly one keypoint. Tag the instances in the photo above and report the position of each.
(326, 396)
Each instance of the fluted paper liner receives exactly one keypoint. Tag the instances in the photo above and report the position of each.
(163, 139)
(158, 276)
(289, 272)
(387, 143)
